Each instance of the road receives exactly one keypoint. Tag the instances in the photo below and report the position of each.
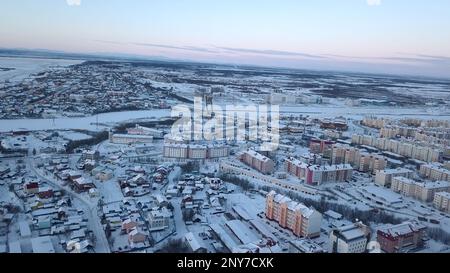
(90, 208)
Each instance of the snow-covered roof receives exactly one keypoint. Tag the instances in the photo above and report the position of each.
(224, 236)
(402, 229)
(42, 245)
(192, 241)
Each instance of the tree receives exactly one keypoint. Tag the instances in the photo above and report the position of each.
(243, 183)
(34, 151)
(439, 235)
(174, 246)
(170, 206)
(188, 215)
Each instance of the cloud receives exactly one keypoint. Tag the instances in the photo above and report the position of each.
(271, 52)
(373, 2)
(110, 42)
(188, 48)
(402, 58)
(73, 2)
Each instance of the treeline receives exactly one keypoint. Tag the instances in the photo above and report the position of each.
(243, 183)
(96, 139)
(150, 124)
(174, 246)
(440, 235)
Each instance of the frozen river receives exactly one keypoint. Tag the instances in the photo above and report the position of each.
(90, 123)
(87, 123)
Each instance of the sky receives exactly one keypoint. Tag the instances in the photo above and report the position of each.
(408, 37)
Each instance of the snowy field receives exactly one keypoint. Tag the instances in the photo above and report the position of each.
(24, 67)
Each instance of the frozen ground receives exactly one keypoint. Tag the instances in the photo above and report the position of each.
(87, 123)
(24, 67)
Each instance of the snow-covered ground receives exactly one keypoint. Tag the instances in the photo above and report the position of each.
(86, 123)
(24, 67)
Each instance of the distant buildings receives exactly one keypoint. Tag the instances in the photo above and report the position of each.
(129, 139)
(257, 161)
(349, 239)
(435, 171)
(228, 167)
(320, 146)
(301, 220)
(398, 238)
(384, 177)
(335, 124)
(424, 191)
(194, 151)
(413, 150)
(442, 201)
(140, 130)
(359, 159)
(374, 122)
(315, 174)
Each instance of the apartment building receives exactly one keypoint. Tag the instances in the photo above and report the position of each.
(349, 239)
(359, 159)
(301, 220)
(374, 122)
(315, 174)
(175, 150)
(435, 171)
(424, 191)
(257, 161)
(141, 130)
(343, 154)
(368, 162)
(398, 238)
(194, 152)
(415, 150)
(296, 167)
(129, 139)
(384, 177)
(442, 201)
(318, 146)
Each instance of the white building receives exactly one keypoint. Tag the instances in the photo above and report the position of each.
(129, 139)
(384, 177)
(349, 239)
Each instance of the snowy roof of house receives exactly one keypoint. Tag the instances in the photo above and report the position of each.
(444, 194)
(256, 155)
(133, 136)
(14, 247)
(24, 229)
(242, 212)
(224, 236)
(395, 171)
(333, 214)
(306, 246)
(242, 232)
(351, 232)
(402, 229)
(193, 242)
(262, 228)
(436, 185)
(42, 245)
